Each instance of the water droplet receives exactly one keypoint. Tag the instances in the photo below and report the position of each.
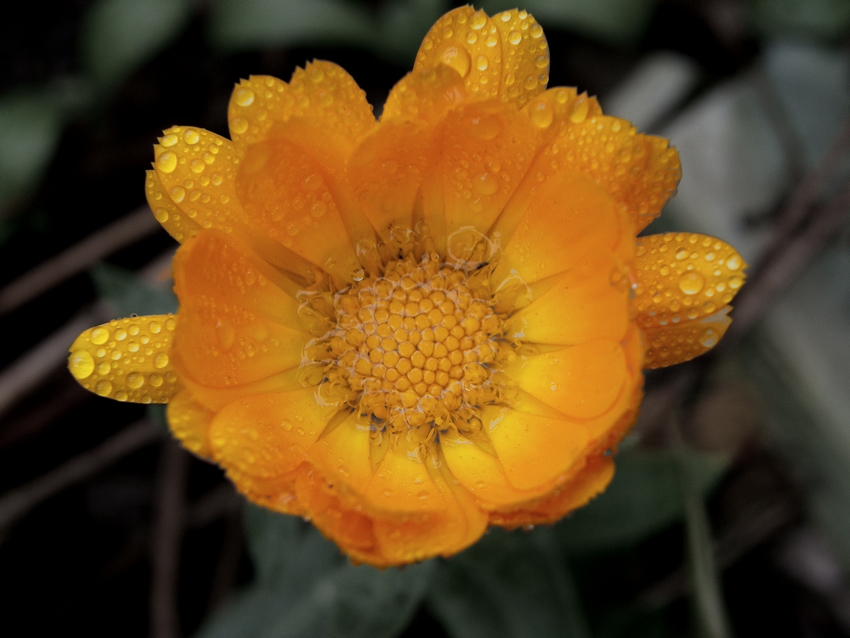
(478, 20)
(103, 388)
(681, 253)
(455, 57)
(286, 425)
(160, 360)
(515, 37)
(536, 31)
(485, 127)
(135, 380)
(481, 63)
(486, 184)
(735, 282)
(103, 368)
(243, 96)
(178, 194)
(161, 215)
(81, 364)
(191, 136)
(197, 166)
(318, 209)
(691, 283)
(155, 380)
(169, 140)
(708, 337)
(167, 162)
(580, 109)
(239, 125)
(491, 41)
(155, 327)
(541, 113)
(99, 336)
(733, 263)
(541, 61)
(226, 334)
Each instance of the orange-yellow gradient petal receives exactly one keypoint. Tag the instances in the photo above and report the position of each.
(127, 359)
(685, 282)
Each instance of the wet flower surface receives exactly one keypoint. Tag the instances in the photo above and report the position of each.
(412, 328)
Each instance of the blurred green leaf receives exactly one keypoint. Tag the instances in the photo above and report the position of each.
(820, 19)
(128, 294)
(644, 497)
(261, 23)
(120, 35)
(30, 126)
(306, 588)
(615, 22)
(509, 584)
(401, 26)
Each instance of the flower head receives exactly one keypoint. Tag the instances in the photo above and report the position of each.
(412, 328)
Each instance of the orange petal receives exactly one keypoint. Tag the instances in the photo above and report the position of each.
(420, 535)
(342, 455)
(349, 529)
(268, 435)
(584, 304)
(236, 326)
(482, 151)
(424, 95)
(581, 381)
(467, 41)
(190, 422)
(481, 473)
(565, 218)
(127, 359)
(534, 450)
(287, 195)
(276, 493)
(683, 277)
(525, 56)
(402, 483)
(572, 494)
(675, 343)
(193, 188)
(386, 171)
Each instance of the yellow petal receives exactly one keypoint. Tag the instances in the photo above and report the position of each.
(568, 216)
(467, 41)
(424, 95)
(127, 359)
(342, 455)
(534, 450)
(580, 381)
(576, 491)
(268, 435)
(402, 483)
(190, 422)
(683, 277)
(675, 343)
(237, 326)
(525, 56)
(276, 493)
(482, 152)
(482, 474)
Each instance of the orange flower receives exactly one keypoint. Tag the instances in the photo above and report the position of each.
(412, 328)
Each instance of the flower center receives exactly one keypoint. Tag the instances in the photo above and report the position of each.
(418, 346)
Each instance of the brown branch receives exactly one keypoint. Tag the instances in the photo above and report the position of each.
(15, 504)
(138, 224)
(168, 525)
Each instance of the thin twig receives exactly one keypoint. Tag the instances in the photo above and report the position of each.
(138, 224)
(168, 525)
(15, 504)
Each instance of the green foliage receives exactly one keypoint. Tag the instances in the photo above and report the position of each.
(644, 497)
(817, 19)
(393, 31)
(128, 294)
(509, 584)
(617, 22)
(306, 588)
(120, 35)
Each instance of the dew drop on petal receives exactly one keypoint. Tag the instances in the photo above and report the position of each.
(81, 364)
(541, 113)
(191, 136)
(708, 337)
(99, 336)
(103, 388)
(691, 283)
(169, 140)
(178, 194)
(515, 37)
(160, 360)
(243, 96)
(580, 109)
(167, 162)
(456, 57)
(733, 263)
(239, 125)
(135, 380)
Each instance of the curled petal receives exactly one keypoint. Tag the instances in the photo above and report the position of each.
(581, 381)
(127, 359)
(675, 343)
(190, 422)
